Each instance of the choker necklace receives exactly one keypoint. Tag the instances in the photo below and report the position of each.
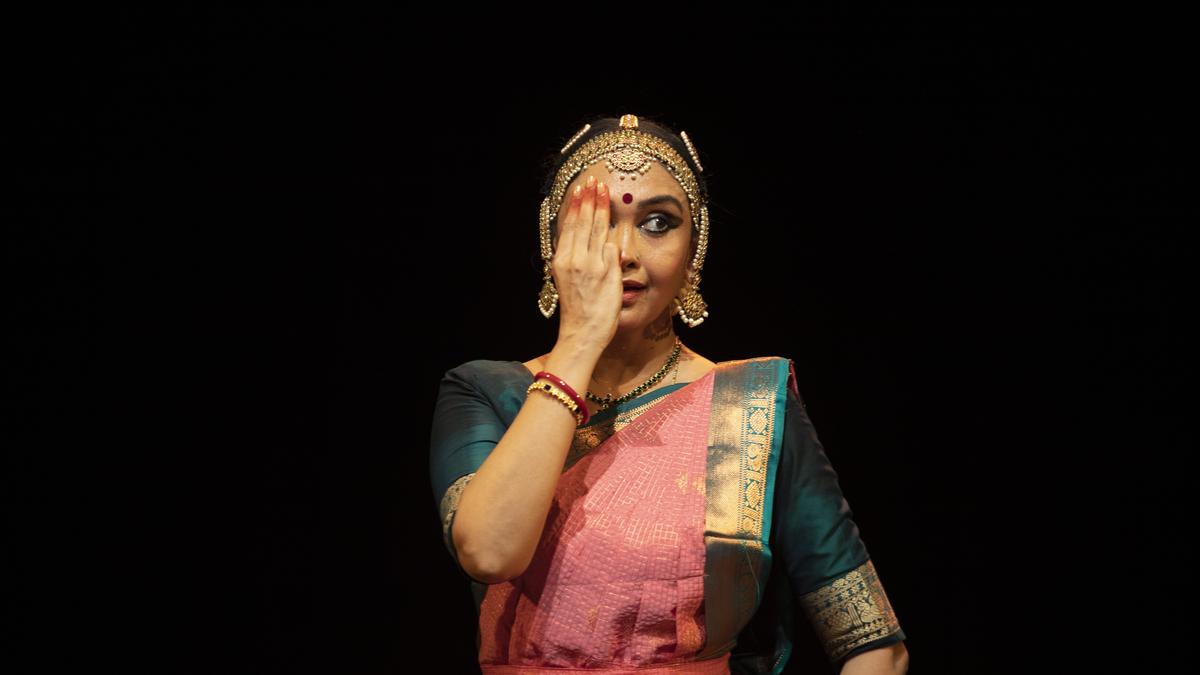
(607, 401)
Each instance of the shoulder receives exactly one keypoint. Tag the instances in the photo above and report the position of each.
(476, 367)
(489, 376)
(692, 365)
(782, 364)
(772, 359)
(781, 367)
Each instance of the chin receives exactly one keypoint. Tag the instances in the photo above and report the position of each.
(637, 314)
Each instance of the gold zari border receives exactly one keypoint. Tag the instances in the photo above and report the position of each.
(850, 611)
(449, 507)
(743, 432)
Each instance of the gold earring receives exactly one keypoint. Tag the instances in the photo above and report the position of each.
(689, 304)
(548, 298)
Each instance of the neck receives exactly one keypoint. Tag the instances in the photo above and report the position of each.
(633, 356)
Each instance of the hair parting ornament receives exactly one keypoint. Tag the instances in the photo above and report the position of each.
(628, 152)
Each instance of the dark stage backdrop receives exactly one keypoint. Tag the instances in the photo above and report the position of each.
(246, 246)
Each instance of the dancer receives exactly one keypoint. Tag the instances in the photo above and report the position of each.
(622, 503)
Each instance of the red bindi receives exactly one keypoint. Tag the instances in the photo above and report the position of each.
(627, 198)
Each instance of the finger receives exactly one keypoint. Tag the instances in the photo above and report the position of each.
(566, 229)
(586, 207)
(599, 229)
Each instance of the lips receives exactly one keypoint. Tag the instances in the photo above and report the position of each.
(634, 286)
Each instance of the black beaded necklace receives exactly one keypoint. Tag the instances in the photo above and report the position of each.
(607, 401)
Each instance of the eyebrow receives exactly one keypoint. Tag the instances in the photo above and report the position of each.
(660, 199)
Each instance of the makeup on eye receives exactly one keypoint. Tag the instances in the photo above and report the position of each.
(668, 221)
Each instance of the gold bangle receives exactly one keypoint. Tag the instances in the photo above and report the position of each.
(558, 395)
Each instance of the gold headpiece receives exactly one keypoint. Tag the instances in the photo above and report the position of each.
(628, 151)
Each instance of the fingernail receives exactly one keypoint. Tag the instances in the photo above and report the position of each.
(578, 190)
(591, 181)
(601, 188)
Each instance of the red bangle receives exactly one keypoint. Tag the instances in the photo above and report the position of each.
(568, 390)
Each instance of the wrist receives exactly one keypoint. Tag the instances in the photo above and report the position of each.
(575, 351)
(573, 363)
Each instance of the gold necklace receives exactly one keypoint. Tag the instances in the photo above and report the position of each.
(607, 401)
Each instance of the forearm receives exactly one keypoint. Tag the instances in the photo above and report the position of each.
(503, 509)
(889, 660)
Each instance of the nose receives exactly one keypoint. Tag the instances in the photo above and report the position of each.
(624, 233)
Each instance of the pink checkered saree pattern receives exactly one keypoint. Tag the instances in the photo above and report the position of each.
(617, 582)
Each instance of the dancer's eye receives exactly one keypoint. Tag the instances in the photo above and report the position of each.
(667, 223)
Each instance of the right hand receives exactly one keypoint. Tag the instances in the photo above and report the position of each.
(586, 270)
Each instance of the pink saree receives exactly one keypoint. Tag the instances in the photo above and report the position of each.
(617, 582)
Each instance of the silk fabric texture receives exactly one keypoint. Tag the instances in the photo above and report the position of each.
(690, 528)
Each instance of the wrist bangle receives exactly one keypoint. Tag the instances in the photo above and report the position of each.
(557, 394)
(568, 390)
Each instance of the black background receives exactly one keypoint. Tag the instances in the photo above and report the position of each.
(245, 247)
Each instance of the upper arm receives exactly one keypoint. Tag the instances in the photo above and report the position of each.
(813, 525)
(465, 429)
(816, 539)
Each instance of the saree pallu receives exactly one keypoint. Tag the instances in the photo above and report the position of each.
(657, 553)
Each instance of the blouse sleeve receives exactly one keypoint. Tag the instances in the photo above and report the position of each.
(827, 563)
(465, 430)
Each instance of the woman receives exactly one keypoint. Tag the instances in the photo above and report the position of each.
(674, 523)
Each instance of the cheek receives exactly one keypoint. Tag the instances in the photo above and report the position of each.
(667, 267)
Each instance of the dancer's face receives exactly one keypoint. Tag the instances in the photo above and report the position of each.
(651, 223)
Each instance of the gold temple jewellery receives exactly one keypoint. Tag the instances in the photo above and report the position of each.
(574, 138)
(565, 393)
(560, 396)
(628, 152)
